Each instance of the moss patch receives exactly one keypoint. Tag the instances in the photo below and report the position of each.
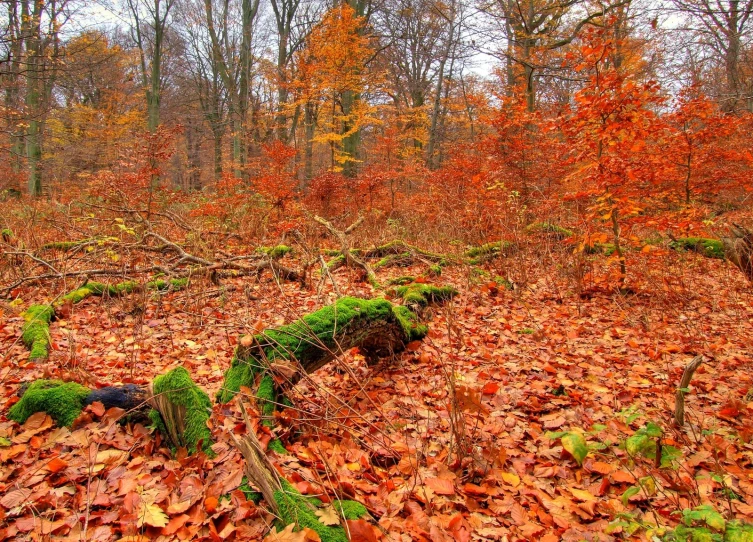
(300, 511)
(180, 390)
(63, 401)
(401, 281)
(242, 372)
(266, 397)
(36, 331)
(711, 248)
(549, 229)
(171, 284)
(423, 294)
(275, 252)
(486, 252)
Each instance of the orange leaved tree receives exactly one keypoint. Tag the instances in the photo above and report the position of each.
(609, 131)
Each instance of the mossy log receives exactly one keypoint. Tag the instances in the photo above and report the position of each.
(377, 327)
(35, 333)
(64, 401)
(176, 406)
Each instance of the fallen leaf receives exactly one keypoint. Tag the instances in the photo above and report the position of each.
(151, 514)
(328, 516)
(15, 498)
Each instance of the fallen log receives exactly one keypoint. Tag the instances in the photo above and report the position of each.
(176, 406)
(378, 328)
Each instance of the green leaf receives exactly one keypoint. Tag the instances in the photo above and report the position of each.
(575, 444)
(629, 492)
(652, 430)
(635, 444)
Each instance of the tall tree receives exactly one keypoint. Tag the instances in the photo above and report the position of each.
(234, 58)
(726, 27)
(150, 21)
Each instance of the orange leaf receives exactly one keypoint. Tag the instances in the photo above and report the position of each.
(360, 531)
(174, 524)
(490, 388)
(56, 465)
(210, 504)
(441, 486)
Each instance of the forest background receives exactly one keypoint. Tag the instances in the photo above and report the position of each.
(569, 179)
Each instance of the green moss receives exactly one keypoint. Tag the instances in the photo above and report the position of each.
(299, 510)
(180, 390)
(63, 401)
(401, 281)
(64, 245)
(350, 509)
(171, 284)
(275, 252)
(506, 284)
(424, 294)
(435, 270)
(401, 259)
(36, 331)
(242, 372)
(266, 397)
(331, 252)
(414, 330)
(276, 446)
(336, 262)
(551, 229)
(6, 234)
(486, 252)
(711, 248)
(305, 339)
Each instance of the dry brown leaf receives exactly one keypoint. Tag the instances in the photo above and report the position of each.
(15, 498)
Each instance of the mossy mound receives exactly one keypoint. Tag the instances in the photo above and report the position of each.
(275, 252)
(486, 252)
(300, 510)
(36, 331)
(318, 333)
(711, 248)
(424, 294)
(550, 229)
(178, 388)
(63, 401)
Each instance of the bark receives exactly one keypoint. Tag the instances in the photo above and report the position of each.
(739, 249)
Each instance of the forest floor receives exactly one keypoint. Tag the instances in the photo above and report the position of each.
(528, 413)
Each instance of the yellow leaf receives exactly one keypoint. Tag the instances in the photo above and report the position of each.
(151, 514)
(510, 479)
(328, 516)
(582, 495)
